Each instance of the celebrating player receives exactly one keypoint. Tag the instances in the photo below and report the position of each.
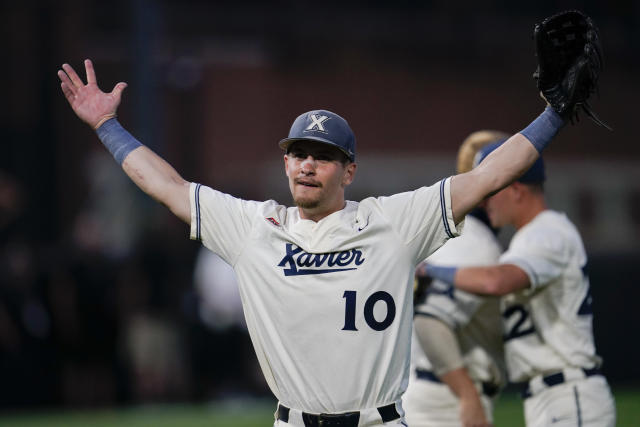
(546, 308)
(326, 285)
(457, 366)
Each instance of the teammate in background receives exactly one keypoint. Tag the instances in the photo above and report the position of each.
(456, 355)
(326, 285)
(546, 307)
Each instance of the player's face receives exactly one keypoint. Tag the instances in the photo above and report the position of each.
(317, 177)
(499, 207)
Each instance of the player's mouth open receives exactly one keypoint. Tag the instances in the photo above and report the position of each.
(307, 183)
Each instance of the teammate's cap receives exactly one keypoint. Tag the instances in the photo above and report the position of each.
(322, 126)
(535, 174)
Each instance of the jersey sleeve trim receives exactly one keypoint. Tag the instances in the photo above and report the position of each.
(445, 207)
(196, 220)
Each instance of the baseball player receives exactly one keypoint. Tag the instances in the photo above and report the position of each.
(326, 285)
(546, 307)
(457, 366)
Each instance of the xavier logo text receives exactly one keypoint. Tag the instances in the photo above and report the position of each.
(298, 262)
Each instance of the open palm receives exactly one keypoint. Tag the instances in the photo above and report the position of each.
(89, 103)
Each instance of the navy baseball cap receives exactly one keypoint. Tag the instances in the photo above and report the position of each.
(322, 126)
(535, 174)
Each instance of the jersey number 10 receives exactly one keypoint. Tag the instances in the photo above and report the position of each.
(350, 311)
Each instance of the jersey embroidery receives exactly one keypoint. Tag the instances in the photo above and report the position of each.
(518, 322)
(364, 226)
(317, 123)
(296, 257)
(273, 221)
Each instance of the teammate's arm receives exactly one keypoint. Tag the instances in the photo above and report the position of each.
(471, 409)
(146, 169)
(440, 345)
(504, 165)
(498, 280)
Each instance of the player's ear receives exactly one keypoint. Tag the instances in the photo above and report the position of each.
(286, 164)
(349, 174)
(518, 190)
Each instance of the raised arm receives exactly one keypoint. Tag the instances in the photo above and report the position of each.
(146, 169)
(504, 165)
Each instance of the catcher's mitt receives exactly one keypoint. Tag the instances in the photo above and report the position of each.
(569, 63)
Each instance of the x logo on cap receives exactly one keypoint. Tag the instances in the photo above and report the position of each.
(316, 122)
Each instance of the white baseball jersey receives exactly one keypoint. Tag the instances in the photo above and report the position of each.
(548, 326)
(328, 304)
(475, 318)
(476, 321)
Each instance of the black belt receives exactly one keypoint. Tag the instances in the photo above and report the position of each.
(345, 419)
(557, 378)
(488, 389)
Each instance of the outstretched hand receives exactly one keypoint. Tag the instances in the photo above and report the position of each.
(89, 103)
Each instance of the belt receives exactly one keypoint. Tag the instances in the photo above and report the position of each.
(344, 419)
(488, 389)
(556, 379)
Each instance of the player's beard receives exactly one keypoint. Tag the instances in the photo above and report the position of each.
(306, 202)
(309, 199)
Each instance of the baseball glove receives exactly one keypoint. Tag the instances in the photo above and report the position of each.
(569, 63)
(421, 283)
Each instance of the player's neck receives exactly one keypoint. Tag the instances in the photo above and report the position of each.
(316, 214)
(529, 210)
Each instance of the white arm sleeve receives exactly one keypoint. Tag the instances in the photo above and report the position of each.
(439, 343)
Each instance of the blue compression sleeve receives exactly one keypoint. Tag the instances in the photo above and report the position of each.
(542, 130)
(445, 274)
(118, 141)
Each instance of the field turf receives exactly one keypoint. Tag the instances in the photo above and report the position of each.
(253, 413)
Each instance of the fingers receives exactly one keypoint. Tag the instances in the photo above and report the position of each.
(77, 82)
(117, 90)
(66, 83)
(68, 93)
(91, 74)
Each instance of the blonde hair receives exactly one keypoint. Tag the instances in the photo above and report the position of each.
(472, 144)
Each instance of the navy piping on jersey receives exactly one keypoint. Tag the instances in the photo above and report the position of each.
(198, 211)
(575, 393)
(443, 207)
